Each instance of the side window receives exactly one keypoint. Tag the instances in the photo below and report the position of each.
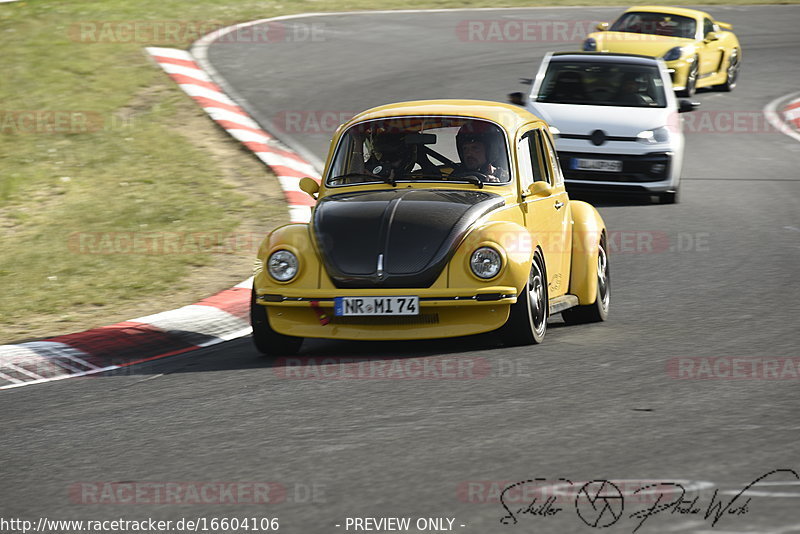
(558, 178)
(546, 156)
(526, 172)
(708, 26)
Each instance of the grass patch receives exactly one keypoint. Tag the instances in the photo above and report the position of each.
(147, 163)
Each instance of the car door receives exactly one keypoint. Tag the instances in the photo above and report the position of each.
(710, 51)
(545, 216)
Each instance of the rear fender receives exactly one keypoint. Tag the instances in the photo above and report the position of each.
(587, 230)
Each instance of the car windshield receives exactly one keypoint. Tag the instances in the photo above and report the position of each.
(656, 24)
(421, 149)
(603, 84)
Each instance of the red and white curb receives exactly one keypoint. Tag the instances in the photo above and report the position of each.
(791, 113)
(219, 318)
(285, 163)
(783, 114)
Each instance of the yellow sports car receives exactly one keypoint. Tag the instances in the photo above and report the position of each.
(699, 51)
(433, 219)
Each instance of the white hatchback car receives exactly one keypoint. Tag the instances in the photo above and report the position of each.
(616, 120)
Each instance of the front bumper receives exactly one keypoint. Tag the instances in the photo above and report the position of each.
(448, 313)
(646, 172)
(678, 72)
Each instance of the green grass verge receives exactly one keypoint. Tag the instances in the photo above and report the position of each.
(140, 168)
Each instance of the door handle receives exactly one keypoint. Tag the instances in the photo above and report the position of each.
(559, 204)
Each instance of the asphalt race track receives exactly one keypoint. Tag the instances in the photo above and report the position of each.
(712, 277)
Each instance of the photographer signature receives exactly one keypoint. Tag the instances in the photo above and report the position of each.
(600, 503)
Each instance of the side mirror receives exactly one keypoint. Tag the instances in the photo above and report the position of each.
(603, 26)
(309, 186)
(711, 36)
(539, 189)
(687, 105)
(517, 98)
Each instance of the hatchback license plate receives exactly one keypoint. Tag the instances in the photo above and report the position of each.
(346, 306)
(603, 165)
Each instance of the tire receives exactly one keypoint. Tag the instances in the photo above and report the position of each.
(669, 197)
(597, 311)
(732, 73)
(527, 322)
(267, 341)
(691, 80)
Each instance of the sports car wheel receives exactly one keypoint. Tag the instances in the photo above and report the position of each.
(598, 311)
(268, 341)
(527, 322)
(732, 73)
(691, 79)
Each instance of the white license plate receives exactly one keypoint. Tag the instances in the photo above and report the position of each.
(344, 306)
(602, 165)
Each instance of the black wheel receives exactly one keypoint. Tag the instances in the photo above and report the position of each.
(691, 79)
(268, 341)
(732, 73)
(527, 322)
(598, 311)
(669, 197)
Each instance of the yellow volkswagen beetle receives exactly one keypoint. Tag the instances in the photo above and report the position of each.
(699, 51)
(433, 219)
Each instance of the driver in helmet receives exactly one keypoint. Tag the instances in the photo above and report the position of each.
(390, 156)
(481, 150)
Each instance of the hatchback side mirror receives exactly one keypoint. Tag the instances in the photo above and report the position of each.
(687, 105)
(517, 98)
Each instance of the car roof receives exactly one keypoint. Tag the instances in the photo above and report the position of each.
(604, 57)
(686, 12)
(508, 116)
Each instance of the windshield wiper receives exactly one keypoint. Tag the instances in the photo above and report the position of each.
(473, 177)
(386, 179)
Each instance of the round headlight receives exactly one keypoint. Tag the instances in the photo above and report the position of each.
(590, 45)
(485, 263)
(282, 265)
(673, 54)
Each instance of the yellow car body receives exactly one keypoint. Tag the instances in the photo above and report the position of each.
(529, 222)
(698, 50)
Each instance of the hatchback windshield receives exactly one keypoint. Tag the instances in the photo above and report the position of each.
(603, 84)
(421, 149)
(656, 24)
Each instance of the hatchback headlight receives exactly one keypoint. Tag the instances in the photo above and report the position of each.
(590, 45)
(282, 265)
(651, 137)
(673, 54)
(486, 263)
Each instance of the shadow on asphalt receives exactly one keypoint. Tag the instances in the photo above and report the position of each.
(240, 354)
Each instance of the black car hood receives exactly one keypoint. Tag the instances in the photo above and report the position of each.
(395, 238)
